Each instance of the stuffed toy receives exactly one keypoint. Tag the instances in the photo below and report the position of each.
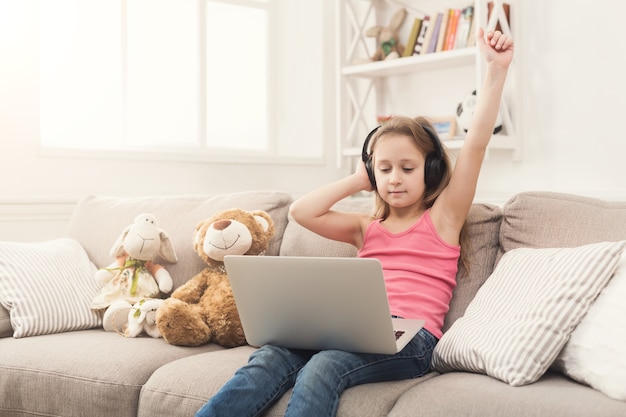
(134, 276)
(387, 38)
(203, 309)
(142, 318)
(133, 320)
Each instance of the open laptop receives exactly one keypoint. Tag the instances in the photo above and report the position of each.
(316, 303)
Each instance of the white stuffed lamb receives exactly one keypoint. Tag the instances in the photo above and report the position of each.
(133, 276)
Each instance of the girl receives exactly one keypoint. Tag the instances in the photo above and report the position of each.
(421, 206)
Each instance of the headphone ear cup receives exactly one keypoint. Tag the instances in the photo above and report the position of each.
(433, 170)
(434, 166)
(367, 158)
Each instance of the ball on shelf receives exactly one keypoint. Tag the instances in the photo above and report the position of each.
(465, 110)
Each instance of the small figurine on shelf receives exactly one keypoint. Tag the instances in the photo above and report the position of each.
(383, 118)
(387, 38)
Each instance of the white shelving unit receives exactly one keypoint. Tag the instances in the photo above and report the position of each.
(362, 85)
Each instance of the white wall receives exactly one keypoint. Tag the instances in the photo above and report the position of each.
(574, 92)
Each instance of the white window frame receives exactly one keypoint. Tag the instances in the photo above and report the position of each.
(202, 153)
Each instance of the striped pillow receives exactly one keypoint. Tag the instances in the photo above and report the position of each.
(47, 287)
(523, 314)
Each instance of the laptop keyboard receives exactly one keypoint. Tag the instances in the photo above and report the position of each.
(398, 333)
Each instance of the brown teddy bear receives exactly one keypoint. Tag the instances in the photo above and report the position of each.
(203, 309)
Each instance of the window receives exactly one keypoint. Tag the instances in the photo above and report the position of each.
(157, 74)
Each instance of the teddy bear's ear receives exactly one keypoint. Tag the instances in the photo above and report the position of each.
(166, 250)
(118, 246)
(265, 220)
(200, 231)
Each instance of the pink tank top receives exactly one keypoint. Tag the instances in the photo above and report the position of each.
(419, 267)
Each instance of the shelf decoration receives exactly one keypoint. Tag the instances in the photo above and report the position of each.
(365, 89)
(387, 38)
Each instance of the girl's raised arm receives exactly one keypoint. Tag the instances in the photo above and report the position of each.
(451, 208)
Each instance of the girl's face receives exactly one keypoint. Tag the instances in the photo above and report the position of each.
(399, 170)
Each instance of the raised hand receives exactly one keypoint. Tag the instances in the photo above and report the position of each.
(496, 47)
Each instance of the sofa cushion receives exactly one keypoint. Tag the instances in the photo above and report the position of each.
(177, 215)
(81, 373)
(524, 313)
(47, 287)
(596, 351)
(479, 247)
(550, 220)
(181, 387)
(473, 395)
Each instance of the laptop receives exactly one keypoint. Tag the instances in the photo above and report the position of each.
(316, 303)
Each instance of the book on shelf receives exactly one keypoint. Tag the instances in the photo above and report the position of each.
(428, 36)
(442, 31)
(410, 43)
(463, 28)
(434, 33)
(452, 28)
(471, 36)
(419, 43)
(453, 21)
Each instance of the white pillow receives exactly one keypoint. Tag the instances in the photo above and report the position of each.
(523, 314)
(596, 351)
(47, 287)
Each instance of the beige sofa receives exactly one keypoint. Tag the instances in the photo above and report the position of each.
(91, 372)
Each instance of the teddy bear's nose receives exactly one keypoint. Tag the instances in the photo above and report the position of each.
(221, 224)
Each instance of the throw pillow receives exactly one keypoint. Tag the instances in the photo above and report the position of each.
(524, 313)
(47, 287)
(596, 351)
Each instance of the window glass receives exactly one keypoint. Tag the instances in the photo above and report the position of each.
(81, 96)
(236, 76)
(154, 74)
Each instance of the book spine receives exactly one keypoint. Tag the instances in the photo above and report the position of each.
(432, 46)
(410, 44)
(465, 21)
(443, 30)
(429, 35)
(453, 23)
(419, 43)
(471, 36)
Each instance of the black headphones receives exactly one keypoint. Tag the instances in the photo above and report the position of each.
(434, 166)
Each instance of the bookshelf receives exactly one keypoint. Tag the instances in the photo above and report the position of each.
(366, 89)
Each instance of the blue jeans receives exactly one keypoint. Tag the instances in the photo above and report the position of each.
(318, 378)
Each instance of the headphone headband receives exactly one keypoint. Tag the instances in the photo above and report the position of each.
(435, 139)
(367, 157)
